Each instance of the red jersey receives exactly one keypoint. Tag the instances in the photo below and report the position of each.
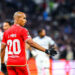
(15, 39)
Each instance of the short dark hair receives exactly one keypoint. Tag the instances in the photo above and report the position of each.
(40, 30)
(10, 22)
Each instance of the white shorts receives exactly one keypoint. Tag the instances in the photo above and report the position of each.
(42, 61)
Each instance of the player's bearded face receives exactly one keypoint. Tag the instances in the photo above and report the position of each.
(6, 26)
(43, 33)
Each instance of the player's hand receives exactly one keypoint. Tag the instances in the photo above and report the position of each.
(3, 68)
(51, 51)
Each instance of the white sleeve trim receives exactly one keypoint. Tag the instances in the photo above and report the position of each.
(27, 39)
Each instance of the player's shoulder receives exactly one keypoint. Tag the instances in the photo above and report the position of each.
(48, 37)
(24, 29)
(19, 27)
(6, 31)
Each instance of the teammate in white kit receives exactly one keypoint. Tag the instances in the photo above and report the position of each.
(41, 58)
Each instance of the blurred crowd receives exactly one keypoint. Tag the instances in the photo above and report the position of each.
(56, 16)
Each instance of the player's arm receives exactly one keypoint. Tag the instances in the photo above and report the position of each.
(52, 43)
(33, 52)
(3, 66)
(35, 45)
(50, 51)
(3, 46)
(2, 52)
(55, 47)
(28, 39)
(28, 47)
(26, 36)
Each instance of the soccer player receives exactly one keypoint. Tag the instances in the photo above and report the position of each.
(6, 25)
(41, 58)
(15, 38)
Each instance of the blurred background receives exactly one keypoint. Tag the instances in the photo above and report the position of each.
(57, 17)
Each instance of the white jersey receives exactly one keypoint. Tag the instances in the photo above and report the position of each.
(44, 42)
(1, 36)
(41, 58)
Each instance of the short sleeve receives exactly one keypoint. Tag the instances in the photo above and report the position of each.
(51, 42)
(4, 39)
(25, 34)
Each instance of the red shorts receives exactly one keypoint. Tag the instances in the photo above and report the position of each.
(18, 70)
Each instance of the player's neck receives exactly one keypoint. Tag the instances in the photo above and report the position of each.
(15, 23)
(42, 36)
